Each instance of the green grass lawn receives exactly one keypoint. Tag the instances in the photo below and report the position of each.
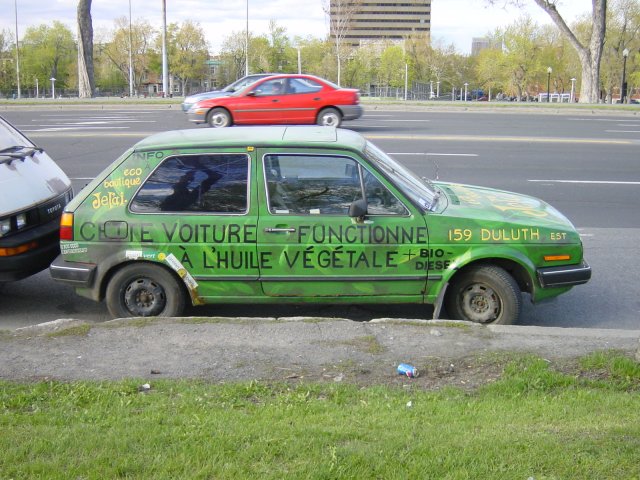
(535, 422)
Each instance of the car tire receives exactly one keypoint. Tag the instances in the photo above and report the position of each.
(219, 118)
(484, 294)
(144, 290)
(329, 117)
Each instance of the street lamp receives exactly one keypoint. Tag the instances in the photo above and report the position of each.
(53, 87)
(438, 89)
(246, 44)
(465, 91)
(130, 56)
(573, 86)
(430, 89)
(623, 87)
(15, 3)
(549, 70)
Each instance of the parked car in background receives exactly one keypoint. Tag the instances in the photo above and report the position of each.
(33, 193)
(281, 99)
(305, 215)
(228, 90)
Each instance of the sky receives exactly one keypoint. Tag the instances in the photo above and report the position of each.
(452, 21)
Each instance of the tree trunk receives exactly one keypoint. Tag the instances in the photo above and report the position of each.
(85, 50)
(589, 56)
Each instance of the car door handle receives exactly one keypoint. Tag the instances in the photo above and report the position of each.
(275, 100)
(279, 230)
(318, 98)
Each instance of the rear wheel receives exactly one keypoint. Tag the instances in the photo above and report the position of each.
(485, 294)
(219, 118)
(329, 117)
(144, 291)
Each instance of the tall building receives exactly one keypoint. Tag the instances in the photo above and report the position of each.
(360, 21)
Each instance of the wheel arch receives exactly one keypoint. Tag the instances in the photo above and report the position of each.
(214, 107)
(516, 265)
(108, 275)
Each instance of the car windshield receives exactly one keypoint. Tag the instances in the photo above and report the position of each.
(421, 192)
(241, 83)
(10, 138)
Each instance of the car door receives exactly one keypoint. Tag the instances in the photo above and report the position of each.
(311, 247)
(261, 104)
(303, 97)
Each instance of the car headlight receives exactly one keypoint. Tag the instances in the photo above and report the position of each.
(5, 226)
(21, 221)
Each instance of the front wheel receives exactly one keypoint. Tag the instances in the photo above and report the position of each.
(485, 294)
(219, 118)
(329, 117)
(144, 291)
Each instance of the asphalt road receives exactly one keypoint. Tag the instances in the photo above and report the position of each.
(585, 164)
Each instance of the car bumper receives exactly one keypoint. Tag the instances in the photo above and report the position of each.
(76, 274)
(197, 115)
(46, 246)
(567, 276)
(186, 107)
(351, 112)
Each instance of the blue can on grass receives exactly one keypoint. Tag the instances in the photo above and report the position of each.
(407, 370)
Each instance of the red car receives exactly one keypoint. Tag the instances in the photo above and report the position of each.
(281, 99)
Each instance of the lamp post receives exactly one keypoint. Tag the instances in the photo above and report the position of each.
(430, 89)
(37, 89)
(15, 3)
(623, 87)
(549, 70)
(165, 62)
(130, 56)
(438, 89)
(466, 85)
(53, 87)
(573, 89)
(246, 44)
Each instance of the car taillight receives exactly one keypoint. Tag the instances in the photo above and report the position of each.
(66, 226)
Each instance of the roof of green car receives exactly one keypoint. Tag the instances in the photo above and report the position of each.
(272, 136)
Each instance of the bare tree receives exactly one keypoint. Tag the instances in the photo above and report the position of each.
(341, 14)
(86, 83)
(589, 51)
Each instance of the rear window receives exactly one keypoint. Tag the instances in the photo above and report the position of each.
(197, 184)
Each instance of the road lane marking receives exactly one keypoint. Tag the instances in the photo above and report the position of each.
(437, 154)
(593, 182)
(472, 138)
(622, 131)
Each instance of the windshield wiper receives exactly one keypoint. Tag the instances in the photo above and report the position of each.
(14, 153)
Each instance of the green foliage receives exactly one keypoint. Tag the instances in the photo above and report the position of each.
(533, 423)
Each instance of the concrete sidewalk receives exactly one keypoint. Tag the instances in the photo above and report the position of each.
(300, 348)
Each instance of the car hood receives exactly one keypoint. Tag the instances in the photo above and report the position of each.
(499, 206)
(204, 96)
(30, 181)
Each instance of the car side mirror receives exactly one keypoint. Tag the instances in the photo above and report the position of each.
(358, 209)
(252, 93)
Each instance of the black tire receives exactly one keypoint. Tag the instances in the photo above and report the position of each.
(485, 294)
(144, 290)
(219, 118)
(329, 117)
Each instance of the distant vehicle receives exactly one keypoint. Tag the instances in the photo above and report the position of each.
(34, 192)
(281, 99)
(274, 215)
(228, 90)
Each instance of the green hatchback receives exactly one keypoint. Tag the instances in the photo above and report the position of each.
(305, 215)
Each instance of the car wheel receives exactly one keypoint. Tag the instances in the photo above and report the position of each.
(329, 117)
(219, 118)
(144, 290)
(485, 294)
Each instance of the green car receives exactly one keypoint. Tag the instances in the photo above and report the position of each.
(305, 215)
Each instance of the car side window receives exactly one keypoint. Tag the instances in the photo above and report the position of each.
(196, 183)
(304, 85)
(271, 87)
(323, 185)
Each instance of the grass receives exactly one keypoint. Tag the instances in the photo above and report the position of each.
(535, 422)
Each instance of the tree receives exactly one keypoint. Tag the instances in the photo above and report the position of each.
(589, 49)
(188, 53)
(86, 84)
(341, 14)
(117, 49)
(48, 52)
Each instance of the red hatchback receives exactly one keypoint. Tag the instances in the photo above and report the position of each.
(281, 99)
